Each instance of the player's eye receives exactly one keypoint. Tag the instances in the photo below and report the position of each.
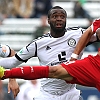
(54, 16)
(62, 16)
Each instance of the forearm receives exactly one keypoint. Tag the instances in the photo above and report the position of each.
(27, 72)
(85, 38)
(9, 62)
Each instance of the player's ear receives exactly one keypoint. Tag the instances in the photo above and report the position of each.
(48, 20)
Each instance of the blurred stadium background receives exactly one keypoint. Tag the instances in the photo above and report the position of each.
(19, 32)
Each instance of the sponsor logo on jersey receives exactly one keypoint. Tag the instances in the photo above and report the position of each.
(71, 42)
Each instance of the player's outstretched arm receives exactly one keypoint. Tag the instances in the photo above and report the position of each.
(26, 72)
(85, 38)
(35, 72)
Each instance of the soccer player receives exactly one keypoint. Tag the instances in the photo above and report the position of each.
(6, 51)
(53, 48)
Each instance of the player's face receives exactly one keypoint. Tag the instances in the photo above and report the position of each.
(57, 20)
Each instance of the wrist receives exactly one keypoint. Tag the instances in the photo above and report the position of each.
(12, 79)
(75, 56)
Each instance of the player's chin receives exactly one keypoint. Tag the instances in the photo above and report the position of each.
(59, 30)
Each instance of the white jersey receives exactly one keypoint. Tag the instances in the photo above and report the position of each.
(52, 51)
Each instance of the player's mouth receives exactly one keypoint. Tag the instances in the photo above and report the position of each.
(58, 25)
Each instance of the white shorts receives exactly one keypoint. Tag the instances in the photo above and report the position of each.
(72, 94)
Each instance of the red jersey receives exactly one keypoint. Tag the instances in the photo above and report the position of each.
(85, 71)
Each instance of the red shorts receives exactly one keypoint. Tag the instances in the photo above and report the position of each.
(85, 72)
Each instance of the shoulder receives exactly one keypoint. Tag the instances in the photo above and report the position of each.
(43, 37)
(74, 30)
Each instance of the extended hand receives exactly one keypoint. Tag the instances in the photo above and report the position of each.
(13, 86)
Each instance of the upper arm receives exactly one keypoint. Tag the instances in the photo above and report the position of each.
(28, 51)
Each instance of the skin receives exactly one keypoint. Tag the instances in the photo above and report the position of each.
(57, 22)
(60, 73)
(13, 85)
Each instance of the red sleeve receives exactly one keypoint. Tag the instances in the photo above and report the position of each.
(27, 72)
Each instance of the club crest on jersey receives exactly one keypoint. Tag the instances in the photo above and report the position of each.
(71, 42)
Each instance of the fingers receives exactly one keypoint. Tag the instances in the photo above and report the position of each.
(13, 86)
(15, 92)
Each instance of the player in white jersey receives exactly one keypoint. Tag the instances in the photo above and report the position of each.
(6, 51)
(53, 48)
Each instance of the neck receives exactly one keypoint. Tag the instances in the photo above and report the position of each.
(57, 34)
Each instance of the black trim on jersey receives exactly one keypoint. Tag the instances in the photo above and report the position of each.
(20, 58)
(82, 30)
(44, 35)
(35, 50)
(35, 47)
(73, 28)
(47, 34)
(9, 51)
